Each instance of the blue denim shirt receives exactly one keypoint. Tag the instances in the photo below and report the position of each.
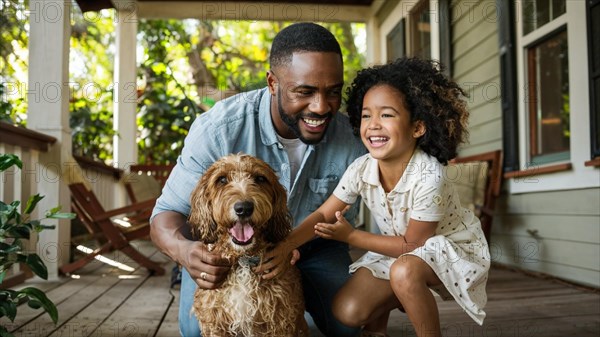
(242, 123)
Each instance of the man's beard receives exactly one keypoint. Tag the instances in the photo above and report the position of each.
(293, 122)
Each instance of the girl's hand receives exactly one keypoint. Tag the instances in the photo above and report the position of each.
(277, 260)
(339, 231)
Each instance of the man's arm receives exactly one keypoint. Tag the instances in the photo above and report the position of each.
(170, 233)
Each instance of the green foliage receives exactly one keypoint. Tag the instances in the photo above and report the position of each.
(5, 107)
(13, 35)
(185, 67)
(13, 61)
(14, 228)
(216, 58)
(91, 76)
(91, 130)
(165, 108)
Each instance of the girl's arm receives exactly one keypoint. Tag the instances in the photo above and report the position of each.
(417, 233)
(277, 259)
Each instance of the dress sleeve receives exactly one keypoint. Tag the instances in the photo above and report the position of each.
(432, 196)
(348, 189)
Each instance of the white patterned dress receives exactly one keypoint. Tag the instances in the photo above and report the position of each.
(458, 252)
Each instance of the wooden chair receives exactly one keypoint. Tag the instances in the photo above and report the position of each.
(478, 180)
(146, 181)
(110, 236)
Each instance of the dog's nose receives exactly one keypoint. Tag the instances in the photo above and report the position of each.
(243, 208)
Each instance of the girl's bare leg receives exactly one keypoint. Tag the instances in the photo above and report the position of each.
(365, 301)
(410, 279)
(378, 325)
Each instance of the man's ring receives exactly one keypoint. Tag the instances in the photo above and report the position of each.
(203, 275)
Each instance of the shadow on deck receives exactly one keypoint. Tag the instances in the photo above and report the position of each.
(106, 301)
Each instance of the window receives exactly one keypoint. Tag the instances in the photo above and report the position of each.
(395, 42)
(537, 13)
(594, 61)
(548, 72)
(555, 115)
(420, 30)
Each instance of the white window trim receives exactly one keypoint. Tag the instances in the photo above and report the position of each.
(402, 10)
(579, 176)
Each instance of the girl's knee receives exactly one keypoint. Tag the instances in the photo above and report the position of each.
(402, 270)
(406, 272)
(349, 311)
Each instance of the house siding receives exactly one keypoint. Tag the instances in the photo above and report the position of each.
(555, 233)
(476, 67)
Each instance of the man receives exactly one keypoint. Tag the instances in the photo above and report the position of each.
(293, 125)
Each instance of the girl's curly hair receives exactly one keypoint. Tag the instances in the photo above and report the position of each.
(429, 96)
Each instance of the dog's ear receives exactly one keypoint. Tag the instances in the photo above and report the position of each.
(280, 224)
(204, 227)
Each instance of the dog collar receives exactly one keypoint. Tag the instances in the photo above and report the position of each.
(249, 261)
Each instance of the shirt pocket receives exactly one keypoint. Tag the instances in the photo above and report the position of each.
(321, 189)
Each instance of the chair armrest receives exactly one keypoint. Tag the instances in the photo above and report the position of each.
(124, 210)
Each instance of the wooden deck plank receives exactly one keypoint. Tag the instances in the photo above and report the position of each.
(86, 321)
(42, 325)
(519, 305)
(56, 295)
(142, 313)
(170, 324)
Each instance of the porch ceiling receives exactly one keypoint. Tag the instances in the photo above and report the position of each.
(96, 5)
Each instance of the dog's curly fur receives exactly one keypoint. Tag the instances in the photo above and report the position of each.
(245, 305)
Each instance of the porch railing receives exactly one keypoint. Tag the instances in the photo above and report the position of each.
(18, 184)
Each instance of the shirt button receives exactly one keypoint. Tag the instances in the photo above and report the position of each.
(279, 146)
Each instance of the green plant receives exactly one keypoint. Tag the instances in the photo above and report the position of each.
(15, 227)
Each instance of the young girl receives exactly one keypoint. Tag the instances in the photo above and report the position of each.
(411, 118)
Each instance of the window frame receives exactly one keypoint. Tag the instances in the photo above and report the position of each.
(594, 75)
(440, 41)
(565, 174)
(533, 90)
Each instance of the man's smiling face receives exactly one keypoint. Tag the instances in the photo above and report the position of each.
(308, 93)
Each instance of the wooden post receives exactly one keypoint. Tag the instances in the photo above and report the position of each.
(125, 106)
(48, 113)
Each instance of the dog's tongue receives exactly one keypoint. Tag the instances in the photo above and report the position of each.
(242, 232)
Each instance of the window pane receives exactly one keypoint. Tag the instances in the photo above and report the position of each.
(537, 13)
(596, 117)
(421, 30)
(395, 42)
(549, 105)
(594, 57)
(595, 37)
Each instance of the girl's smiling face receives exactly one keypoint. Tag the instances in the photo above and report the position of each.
(385, 127)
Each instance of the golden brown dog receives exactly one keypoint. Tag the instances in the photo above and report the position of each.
(240, 209)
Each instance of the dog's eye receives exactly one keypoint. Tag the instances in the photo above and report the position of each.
(222, 180)
(260, 179)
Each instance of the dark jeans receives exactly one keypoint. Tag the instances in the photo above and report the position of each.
(324, 267)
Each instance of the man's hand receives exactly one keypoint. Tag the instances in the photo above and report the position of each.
(207, 267)
(171, 234)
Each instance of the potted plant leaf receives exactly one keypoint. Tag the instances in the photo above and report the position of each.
(16, 226)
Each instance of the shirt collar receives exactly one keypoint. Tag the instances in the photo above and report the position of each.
(268, 134)
(411, 174)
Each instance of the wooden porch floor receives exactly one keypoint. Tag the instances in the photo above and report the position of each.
(106, 301)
